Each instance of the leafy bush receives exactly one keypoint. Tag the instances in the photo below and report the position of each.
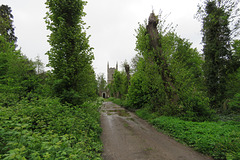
(46, 129)
(221, 140)
(8, 99)
(235, 103)
(120, 102)
(195, 108)
(115, 100)
(138, 92)
(145, 114)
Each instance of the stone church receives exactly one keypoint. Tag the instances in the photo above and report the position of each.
(110, 73)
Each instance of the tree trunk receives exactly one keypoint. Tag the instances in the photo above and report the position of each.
(127, 69)
(160, 60)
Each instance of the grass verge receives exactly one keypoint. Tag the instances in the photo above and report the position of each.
(220, 140)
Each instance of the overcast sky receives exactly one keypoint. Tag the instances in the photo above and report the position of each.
(112, 26)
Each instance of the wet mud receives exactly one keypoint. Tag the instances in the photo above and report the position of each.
(127, 137)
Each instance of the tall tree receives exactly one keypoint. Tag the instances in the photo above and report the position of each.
(159, 59)
(39, 65)
(216, 31)
(6, 26)
(127, 70)
(168, 75)
(70, 56)
(17, 73)
(102, 83)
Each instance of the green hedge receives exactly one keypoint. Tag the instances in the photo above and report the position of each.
(46, 129)
(221, 140)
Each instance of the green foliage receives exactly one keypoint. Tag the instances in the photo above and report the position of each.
(233, 83)
(39, 65)
(115, 100)
(46, 129)
(148, 85)
(118, 87)
(6, 26)
(138, 91)
(101, 83)
(120, 102)
(127, 71)
(117, 84)
(236, 54)
(146, 113)
(70, 56)
(183, 59)
(234, 103)
(35, 127)
(217, 139)
(216, 19)
(193, 103)
(17, 75)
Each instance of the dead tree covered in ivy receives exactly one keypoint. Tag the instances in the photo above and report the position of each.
(159, 59)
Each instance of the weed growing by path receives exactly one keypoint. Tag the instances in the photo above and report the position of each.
(47, 129)
(221, 140)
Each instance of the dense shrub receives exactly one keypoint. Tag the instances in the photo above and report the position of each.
(46, 129)
(120, 102)
(221, 140)
(235, 103)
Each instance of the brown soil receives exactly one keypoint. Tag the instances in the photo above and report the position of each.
(127, 137)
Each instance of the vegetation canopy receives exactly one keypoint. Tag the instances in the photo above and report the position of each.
(70, 56)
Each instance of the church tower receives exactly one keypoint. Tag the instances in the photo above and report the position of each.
(110, 72)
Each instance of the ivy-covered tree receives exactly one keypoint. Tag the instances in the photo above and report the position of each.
(168, 78)
(101, 83)
(6, 24)
(127, 70)
(70, 56)
(216, 18)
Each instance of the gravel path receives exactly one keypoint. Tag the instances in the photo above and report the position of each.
(127, 137)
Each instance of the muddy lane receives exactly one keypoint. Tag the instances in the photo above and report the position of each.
(127, 137)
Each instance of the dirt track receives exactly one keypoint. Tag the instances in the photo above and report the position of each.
(127, 137)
